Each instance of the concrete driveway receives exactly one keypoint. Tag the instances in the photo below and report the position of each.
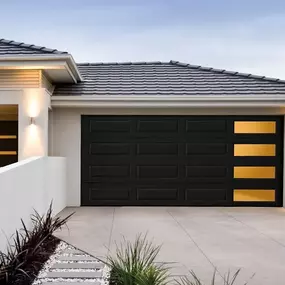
(198, 239)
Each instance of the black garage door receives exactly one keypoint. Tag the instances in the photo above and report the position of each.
(181, 160)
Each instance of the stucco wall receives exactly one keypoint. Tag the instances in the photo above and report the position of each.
(65, 133)
(28, 184)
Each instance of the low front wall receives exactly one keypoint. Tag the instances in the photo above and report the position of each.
(27, 185)
(65, 133)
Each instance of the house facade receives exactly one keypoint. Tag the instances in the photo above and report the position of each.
(144, 133)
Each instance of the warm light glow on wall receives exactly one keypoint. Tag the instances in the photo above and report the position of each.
(33, 108)
(33, 102)
(33, 141)
(33, 132)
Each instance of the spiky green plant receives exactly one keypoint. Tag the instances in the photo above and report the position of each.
(134, 263)
(29, 249)
(194, 280)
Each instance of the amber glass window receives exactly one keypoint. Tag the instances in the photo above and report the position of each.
(8, 152)
(247, 127)
(254, 150)
(253, 195)
(254, 172)
(7, 137)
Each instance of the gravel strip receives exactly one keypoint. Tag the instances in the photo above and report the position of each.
(71, 280)
(75, 270)
(73, 283)
(68, 265)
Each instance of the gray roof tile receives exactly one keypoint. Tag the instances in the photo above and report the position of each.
(8, 47)
(166, 78)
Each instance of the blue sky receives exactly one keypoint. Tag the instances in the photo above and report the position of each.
(242, 35)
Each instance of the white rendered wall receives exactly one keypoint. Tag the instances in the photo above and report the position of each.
(27, 185)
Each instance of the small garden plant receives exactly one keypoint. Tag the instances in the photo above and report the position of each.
(30, 249)
(134, 264)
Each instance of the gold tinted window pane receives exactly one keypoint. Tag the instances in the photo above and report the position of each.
(7, 137)
(254, 127)
(8, 152)
(249, 195)
(263, 172)
(254, 150)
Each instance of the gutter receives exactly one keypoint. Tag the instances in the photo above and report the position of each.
(65, 57)
(168, 101)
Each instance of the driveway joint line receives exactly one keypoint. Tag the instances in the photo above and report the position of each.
(190, 237)
(111, 230)
(253, 228)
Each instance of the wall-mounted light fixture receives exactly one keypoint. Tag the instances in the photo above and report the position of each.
(32, 120)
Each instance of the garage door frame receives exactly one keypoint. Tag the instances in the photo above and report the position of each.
(279, 155)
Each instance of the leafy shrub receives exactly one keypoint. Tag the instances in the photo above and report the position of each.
(134, 264)
(30, 249)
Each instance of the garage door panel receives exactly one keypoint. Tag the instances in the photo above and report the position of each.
(112, 192)
(116, 126)
(157, 193)
(110, 149)
(199, 160)
(157, 171)
(159, 126)
(109, 171)
(208, 126)
(206, 171)
(154, 160)
(206, 195)
(206, 148)
(157, 149)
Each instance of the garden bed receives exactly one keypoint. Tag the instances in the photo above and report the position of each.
(31, 268)
(29, 249)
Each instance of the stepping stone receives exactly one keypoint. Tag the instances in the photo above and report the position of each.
(69, 283)
(78, 258)
(73, 251)
(76, 265)
(72, 274)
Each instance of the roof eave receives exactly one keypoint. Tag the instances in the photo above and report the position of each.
(108, 101)
(72, 67)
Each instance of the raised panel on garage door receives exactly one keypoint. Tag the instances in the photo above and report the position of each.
(179, 160)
